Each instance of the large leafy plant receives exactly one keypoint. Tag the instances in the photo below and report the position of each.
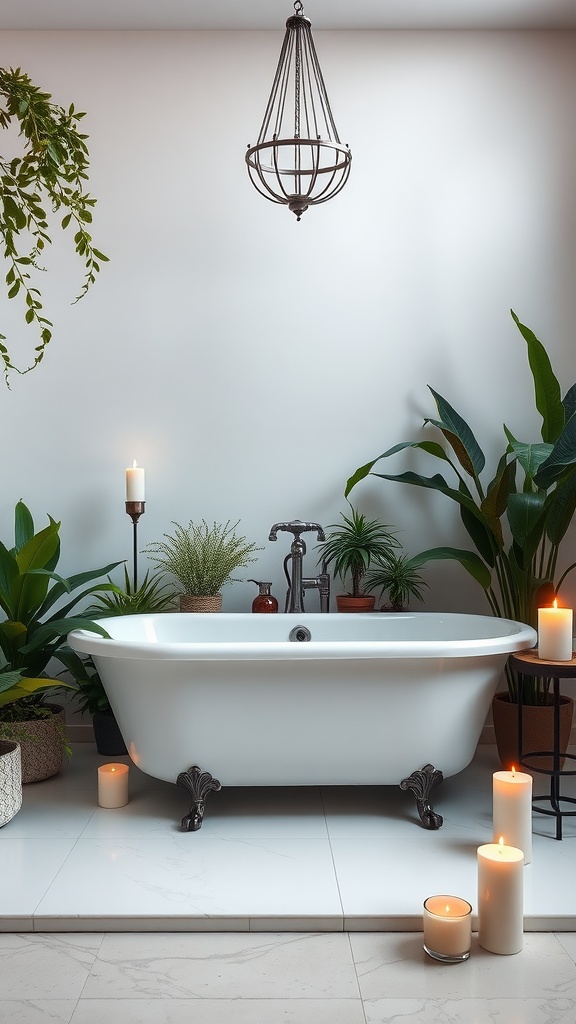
(38, 613)
(518, 519)
(51, 173)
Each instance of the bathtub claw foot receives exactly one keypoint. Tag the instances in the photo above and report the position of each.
(421, 783)
(198, 784)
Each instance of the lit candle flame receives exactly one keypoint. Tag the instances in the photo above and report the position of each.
(555, 603)
(501, 844)
(134, 464)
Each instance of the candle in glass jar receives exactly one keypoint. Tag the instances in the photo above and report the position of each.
(135, 483)
(447, 928)
(512, 810)
(500, 898)
(555, 633)
(113, 785)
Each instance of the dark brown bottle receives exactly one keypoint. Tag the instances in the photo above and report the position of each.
(264, 601)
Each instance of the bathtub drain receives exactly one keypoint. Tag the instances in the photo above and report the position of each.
(300, 634)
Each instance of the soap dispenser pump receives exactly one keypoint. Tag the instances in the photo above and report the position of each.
(264, 601)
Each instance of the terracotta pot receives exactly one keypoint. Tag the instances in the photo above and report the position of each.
(40, 744)
(346, 603)
(200, 603)
(537, 730)
(10, 780)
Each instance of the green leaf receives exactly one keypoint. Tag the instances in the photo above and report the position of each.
(546, 386)
(562, 456)
(23, 525)
(526, 521)
(459, 436)
(469, 560)
(561, 506)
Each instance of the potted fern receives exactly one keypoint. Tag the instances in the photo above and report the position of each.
(202, 559)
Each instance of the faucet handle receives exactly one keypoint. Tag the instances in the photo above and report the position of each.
(296, 527)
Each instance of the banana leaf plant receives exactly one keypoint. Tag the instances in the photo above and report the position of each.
(518, 519)
(38, 615)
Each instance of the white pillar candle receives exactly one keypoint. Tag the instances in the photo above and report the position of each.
(447, 928)
(555, 633)
(500, 898)
(113, 785)
(512, 810)
(135, 483)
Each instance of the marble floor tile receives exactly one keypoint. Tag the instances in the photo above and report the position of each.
(224, 966)
(27, 867)
(41, 967)
(390, 965)
(217, 1011)
(179, 876)
(470, 1011)
(38, 1011)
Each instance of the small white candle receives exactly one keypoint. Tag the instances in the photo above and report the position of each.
(512, 810)
(555, 633)
(113, 785)
(447, 928)
(500, 898)
(135, 483)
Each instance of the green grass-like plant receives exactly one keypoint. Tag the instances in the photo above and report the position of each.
(202, 558)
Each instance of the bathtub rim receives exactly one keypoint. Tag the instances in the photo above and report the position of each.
(519, 636)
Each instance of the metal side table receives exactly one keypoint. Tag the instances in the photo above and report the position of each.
(527, 663)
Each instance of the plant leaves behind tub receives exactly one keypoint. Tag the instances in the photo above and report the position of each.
(399, 578)
(353, 546)
(36, 621)
(517, 520)
(50, 174)
(202, 558)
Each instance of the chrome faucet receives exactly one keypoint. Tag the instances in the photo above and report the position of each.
(297, 583)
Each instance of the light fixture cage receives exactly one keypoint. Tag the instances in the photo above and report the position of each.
(298, 159)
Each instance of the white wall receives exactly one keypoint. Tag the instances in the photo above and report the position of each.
(251, 363)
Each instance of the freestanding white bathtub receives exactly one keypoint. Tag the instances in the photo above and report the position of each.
(368, 700)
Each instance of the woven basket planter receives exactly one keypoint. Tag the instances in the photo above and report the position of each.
(40, 744)
(10, 780)
(200, 603)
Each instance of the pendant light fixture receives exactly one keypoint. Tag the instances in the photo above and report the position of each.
(298, 160)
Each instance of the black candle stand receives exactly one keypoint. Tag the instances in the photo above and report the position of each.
(135, 509)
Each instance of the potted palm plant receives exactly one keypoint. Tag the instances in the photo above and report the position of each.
(202, 559)
(399, 579)
(38, 607)
(518, 520)
(352, 547)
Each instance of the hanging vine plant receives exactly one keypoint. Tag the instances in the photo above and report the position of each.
(51, 173)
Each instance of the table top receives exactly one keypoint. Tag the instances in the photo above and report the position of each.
(530, 664)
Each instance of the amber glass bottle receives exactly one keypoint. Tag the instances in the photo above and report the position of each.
(264, 601)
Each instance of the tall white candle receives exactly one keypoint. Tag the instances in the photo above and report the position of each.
(555, 633)
(512, 810)
(135, 483)
(113, 785)
(500, 898)
(447, 928)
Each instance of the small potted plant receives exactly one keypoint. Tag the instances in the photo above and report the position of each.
(202, 559)
(399, 578)
(351, 549)
(33, 632)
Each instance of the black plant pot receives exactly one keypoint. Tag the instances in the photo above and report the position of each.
(107, 734)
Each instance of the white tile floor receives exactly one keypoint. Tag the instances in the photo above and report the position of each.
(327, 859)
(116, 915)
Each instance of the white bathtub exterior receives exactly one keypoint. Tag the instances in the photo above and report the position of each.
(370, 699)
